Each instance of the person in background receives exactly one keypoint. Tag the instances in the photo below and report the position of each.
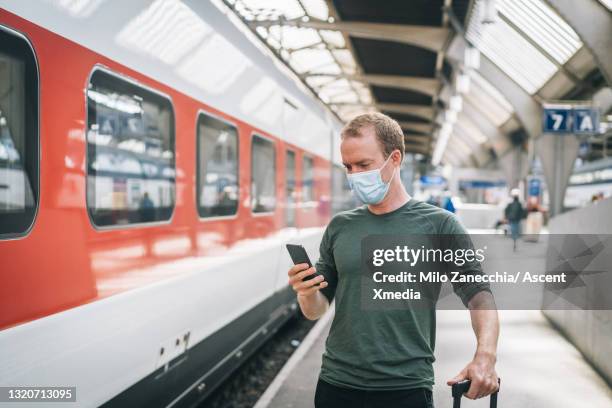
(146, 208)
(534, 219)
(514, 213)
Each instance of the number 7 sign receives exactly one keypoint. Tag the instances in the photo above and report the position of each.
(557, 120)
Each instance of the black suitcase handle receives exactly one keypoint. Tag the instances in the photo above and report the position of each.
(460, 388)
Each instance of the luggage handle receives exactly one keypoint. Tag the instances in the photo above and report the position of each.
(460, 388)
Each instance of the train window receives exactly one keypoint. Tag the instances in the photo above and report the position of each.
(263, 175)
(18, 134)
(130, 152)
(308, 179)
(217, 162)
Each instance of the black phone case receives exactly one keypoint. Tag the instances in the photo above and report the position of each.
(299, 255)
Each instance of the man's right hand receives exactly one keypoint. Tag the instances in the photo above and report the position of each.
(305, 288)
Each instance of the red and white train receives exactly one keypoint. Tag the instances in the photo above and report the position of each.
(154, 161)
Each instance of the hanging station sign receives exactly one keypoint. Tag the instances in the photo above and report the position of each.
(570, 118)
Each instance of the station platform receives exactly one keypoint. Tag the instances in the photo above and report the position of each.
(538, 366)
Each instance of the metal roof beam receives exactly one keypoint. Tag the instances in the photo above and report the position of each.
(422, 111)
(431, 38)
(417, 149)
(417, 140)
(427, 86)
(593, 24)
(416, 126)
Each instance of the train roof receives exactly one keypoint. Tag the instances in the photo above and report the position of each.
(200, 49)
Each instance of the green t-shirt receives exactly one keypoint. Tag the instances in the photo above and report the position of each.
(379, 349)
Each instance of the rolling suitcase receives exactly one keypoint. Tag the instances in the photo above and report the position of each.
(462, 387)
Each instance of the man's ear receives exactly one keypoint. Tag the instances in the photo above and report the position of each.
(398, 157)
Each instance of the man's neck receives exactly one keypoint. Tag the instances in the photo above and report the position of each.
(396, 197)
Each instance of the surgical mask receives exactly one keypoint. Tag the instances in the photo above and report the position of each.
(368, 186)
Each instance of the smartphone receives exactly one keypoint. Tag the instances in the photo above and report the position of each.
(299, 255)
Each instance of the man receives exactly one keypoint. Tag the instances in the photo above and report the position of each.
(384, 358)
(514, 213)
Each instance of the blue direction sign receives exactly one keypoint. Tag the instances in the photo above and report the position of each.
(586, 120)
(570, 119)
(557, 120)
(432, 180)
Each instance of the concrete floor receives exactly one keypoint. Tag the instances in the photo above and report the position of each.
(538, 367)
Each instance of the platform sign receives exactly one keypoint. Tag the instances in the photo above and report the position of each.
(432, 180)
(557, 120)
(576, 118)
(469, 184)
(585, 120)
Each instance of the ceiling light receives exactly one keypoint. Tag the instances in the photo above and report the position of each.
(471, 57)
(456, 103)
(489, 12)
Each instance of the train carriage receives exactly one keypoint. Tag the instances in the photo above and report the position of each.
(153, 162)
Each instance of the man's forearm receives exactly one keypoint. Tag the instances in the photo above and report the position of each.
(313, 306)
(481, 370)
(485, 323)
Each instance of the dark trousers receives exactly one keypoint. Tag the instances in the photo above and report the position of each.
(331, 396)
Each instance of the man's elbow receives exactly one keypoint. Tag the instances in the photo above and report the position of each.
(482, 300)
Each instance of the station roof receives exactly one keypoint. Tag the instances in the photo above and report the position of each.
(391, 56)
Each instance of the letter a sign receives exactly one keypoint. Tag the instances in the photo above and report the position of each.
(586, 121)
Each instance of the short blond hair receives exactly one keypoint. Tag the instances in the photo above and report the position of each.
(388, 132)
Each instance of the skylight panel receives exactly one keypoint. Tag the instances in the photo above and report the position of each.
(334, 38)
(316, 8)
(294, 37)
(607, 4)
(513, 54)
(456, 142)
(317, 56)
(543, 26)
(345, 58)
(313, 60)
(488, 100)
(267, 9)
(470, 129)
(527, 41)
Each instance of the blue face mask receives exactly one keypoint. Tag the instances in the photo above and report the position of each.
(368, 186)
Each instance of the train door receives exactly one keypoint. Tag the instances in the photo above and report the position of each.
(290, 192)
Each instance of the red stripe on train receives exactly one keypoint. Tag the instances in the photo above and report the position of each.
(64, 260)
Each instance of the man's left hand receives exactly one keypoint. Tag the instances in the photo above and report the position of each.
(481, 371)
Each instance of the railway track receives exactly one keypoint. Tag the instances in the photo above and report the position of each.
(244, 387)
